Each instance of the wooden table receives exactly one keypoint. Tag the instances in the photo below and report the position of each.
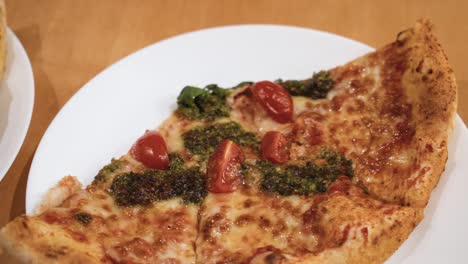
(70, 41)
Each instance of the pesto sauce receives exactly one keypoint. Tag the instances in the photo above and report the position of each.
(316, 87)
(314, 176)
(131, 189)
(208, 103)
(203, 140)
(108, 169)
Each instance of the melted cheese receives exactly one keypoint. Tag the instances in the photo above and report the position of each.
(164, 232)
(234, 225)
(172, 130)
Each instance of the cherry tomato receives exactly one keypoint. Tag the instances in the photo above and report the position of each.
(223, 173)
(275, 100)
(151, 150)
(275, 147)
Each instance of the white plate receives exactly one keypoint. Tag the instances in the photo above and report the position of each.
(16, 101)
(110, 112)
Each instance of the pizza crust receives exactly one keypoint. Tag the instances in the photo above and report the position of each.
(375, 231)
(432, 90)
(65, 188)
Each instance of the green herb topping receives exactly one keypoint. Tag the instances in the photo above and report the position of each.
(314, 176)
(108, 169)
(130, 189)
(316, 87)
(204, 139)
(83, 218)
(208, 103)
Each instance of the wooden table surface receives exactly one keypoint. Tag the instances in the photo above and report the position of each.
(70, 41)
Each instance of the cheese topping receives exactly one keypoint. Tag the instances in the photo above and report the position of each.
(234, 225)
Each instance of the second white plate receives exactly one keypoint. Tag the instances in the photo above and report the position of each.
(16, 101)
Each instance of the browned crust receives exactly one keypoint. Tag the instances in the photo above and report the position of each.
(357, 253)
(385, 234)
(432, 90)
(430, 86)
(30, 240)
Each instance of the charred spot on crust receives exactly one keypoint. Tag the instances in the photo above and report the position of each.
(25, 224)
(404, 35)
(420, 66)
(274, 258)
(83, 218)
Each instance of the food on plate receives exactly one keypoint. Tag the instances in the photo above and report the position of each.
(336, 168)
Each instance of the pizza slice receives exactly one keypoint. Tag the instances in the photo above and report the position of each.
(390, 111)
(398, 105)
(116, 219)
(375, 112)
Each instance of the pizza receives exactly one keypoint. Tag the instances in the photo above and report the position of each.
(335, 168)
